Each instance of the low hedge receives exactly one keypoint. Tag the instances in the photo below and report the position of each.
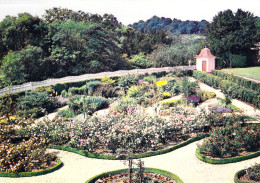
(238, 80)
(148, 170)
(134, 156)
(229, 87)
(225, 160)
(30, 174)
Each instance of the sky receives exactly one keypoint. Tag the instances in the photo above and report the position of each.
(130, 11)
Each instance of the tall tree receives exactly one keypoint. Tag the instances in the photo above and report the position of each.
(230, 37)
(12, 70)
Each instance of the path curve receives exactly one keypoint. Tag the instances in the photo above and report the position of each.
(183, 162)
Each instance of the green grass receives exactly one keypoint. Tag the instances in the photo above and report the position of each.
(249, 72)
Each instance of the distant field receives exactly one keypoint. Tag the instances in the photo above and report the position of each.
(249, 72)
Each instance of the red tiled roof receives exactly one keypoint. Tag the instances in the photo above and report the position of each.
(205, 52)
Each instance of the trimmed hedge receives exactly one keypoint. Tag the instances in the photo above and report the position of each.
(134, 156)
(229, 87)
(225, 160)
(148, 170)
(238, 80)
(30, 174)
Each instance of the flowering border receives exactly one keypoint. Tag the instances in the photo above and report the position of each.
(30, 174)
(225, 160)
(134, 156)
(149, 170)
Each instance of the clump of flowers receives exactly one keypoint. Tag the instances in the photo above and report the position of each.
(194, 100)
(166, 95)
(161, 83)
(228, 141)
(24, 157)
(223, 109)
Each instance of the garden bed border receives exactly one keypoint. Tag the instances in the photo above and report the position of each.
(134, 156)
(225, 160)
(238, 175)
(149, 170)
(36, 173)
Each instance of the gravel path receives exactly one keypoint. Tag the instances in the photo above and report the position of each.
(183, 162)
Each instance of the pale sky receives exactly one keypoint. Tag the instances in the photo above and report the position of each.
(130, 11)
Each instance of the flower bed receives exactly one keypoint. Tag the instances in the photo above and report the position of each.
(156, 173)
(28, 158)
(250, 175)
(34, 173)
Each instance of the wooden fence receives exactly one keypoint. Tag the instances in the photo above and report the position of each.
(69, 79)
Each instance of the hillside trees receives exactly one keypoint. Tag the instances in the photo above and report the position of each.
(174, 26)
(66, 42)
(230, 37)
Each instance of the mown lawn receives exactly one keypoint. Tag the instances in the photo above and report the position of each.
(249, 72)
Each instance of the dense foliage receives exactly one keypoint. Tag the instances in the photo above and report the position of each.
(229, 87)
(174, 26)
(230, 37)
(65, 42)
(231, 140)
(27, 156)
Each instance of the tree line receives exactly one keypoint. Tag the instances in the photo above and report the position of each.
(65, 42)
(174, 26)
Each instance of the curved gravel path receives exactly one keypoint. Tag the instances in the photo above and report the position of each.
(183, 162)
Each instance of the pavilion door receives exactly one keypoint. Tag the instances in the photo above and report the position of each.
(204, 66)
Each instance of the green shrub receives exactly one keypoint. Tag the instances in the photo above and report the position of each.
(78, 90)
(64, 93)
(171, 102)
(106, 91)
(107, 81)
(205, 95)
(91, 86)
(135, 91)
(80, 103)
(123, 104)
(150, 79)
(128, 80)
(68, 113)
(188, 87)
(229, 87)
(36, 104)
(238, 80)
(49, 89)
(237, 60)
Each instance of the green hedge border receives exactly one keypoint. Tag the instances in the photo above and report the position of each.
(30, 174)
(225, 160)
(134, 156)
(149, 170)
